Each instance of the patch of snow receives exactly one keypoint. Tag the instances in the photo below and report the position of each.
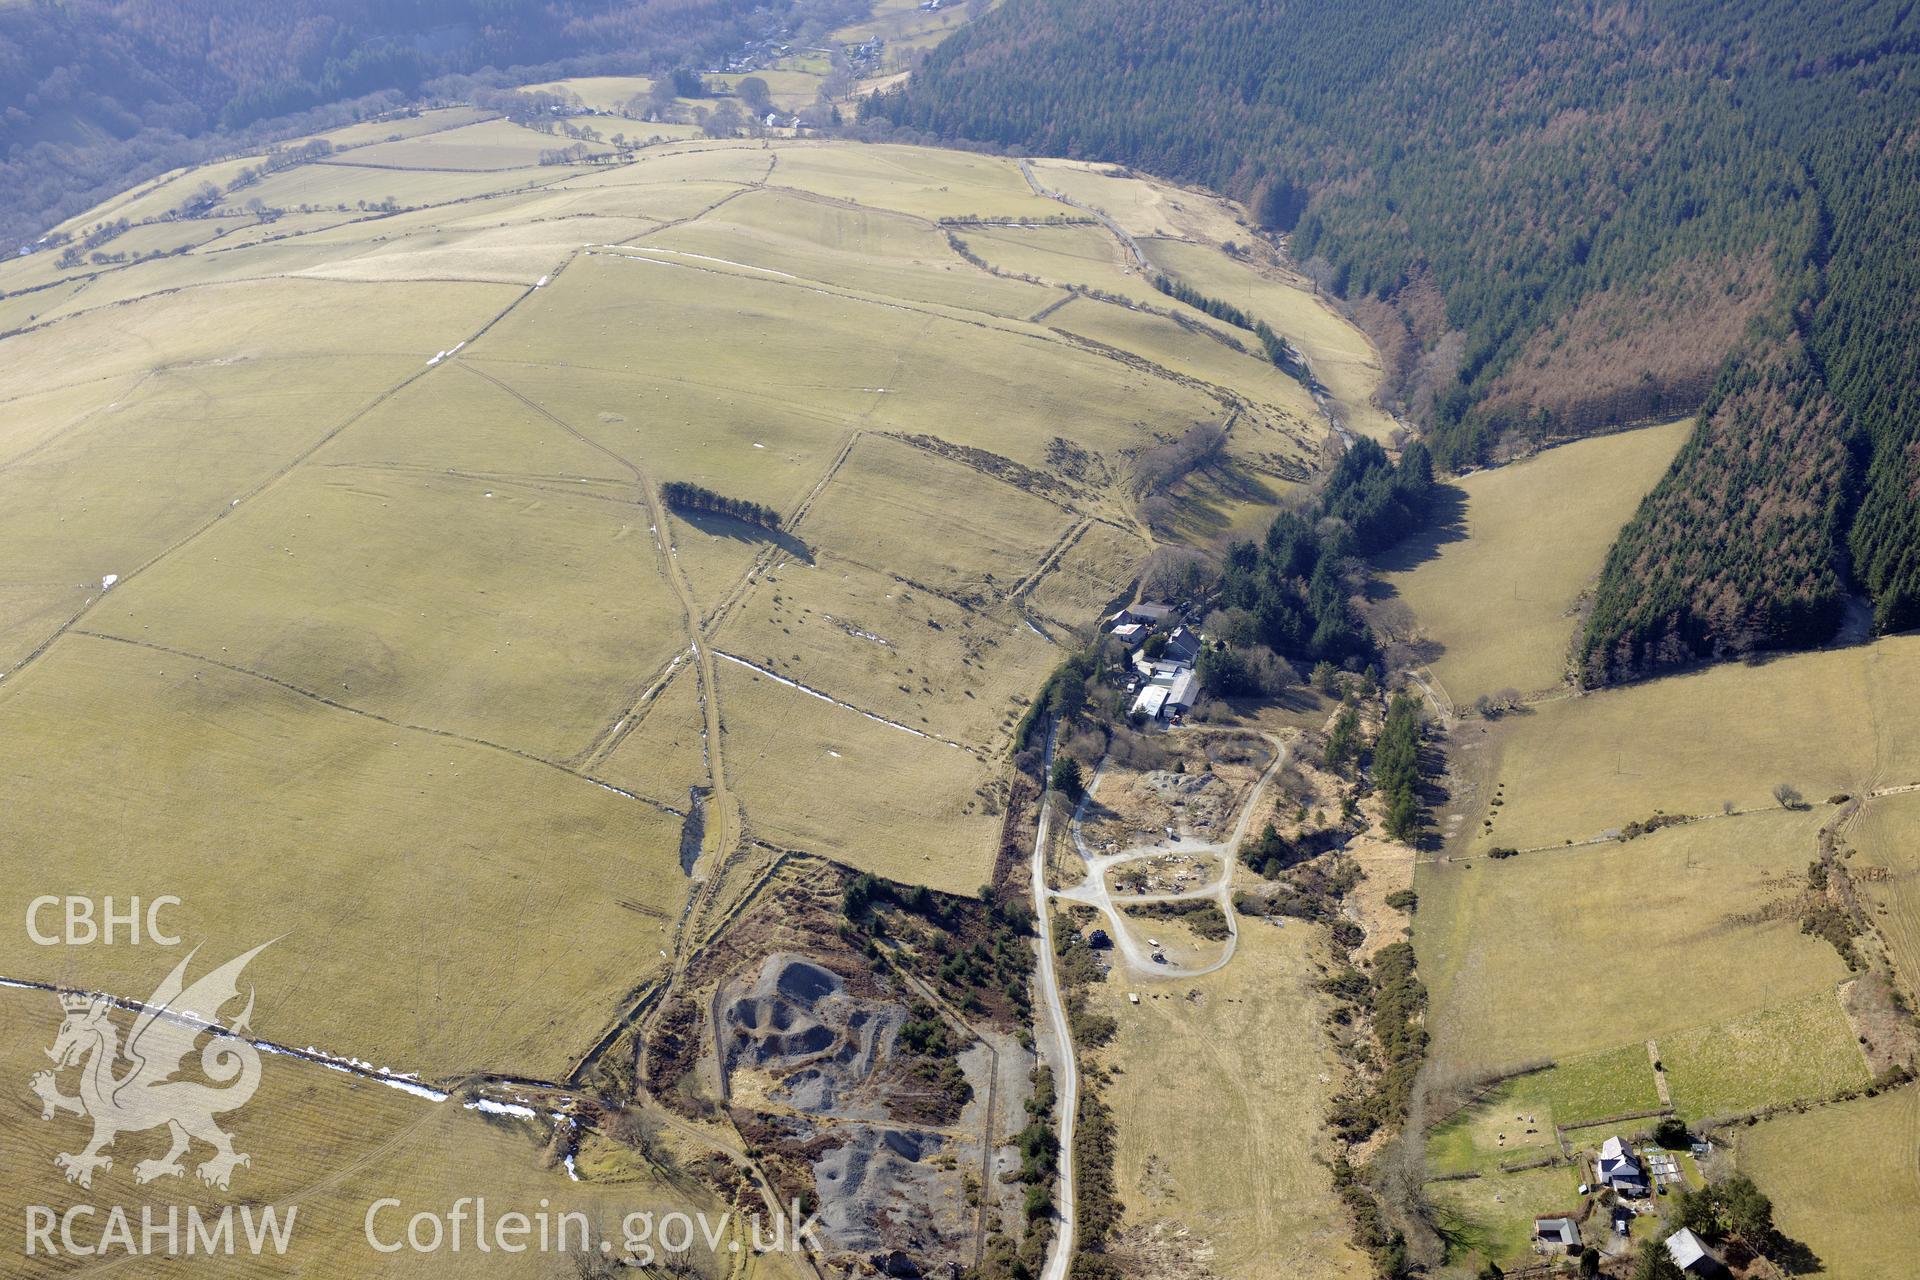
(405, 1082)
(107, 582)
(492, 1108)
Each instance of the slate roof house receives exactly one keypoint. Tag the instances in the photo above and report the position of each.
(1620, 1169)
(1182, 646)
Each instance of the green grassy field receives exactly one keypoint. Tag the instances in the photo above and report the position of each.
(1803, 1050)
(1845, 1180)
(1515, 1120)
(1498, 597)
(1492, 1216)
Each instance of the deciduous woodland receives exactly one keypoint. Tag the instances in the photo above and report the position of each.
(1556, 220)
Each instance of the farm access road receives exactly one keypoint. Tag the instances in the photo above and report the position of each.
(1094, 892)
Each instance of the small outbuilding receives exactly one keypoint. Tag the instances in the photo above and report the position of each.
(1150, 612)
(1557, 1233)
(1130, 633)
(1690, 1253)
(1152, 701)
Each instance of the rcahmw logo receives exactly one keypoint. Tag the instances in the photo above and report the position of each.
(157, 1089)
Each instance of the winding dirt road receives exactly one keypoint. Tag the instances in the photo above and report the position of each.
(1094, 892)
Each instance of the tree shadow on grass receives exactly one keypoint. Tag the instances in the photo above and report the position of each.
(1446, 522)
(715, 525)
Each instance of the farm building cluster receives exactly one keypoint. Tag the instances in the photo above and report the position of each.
(1162, 651)
(1627, 1179)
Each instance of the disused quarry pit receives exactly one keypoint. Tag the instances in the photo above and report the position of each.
(815, 1077)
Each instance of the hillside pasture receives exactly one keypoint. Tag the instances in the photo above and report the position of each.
(1201, 352)
(1845, 1180)
(488, 146)
(1339, 354)
(832, 781)
(913, 180)
(365, 586)
(109, 488)
(1217, 1103)
(1887, 871)
(1141, 205)
(1496, 588)
(871, 251)
(520, 253)
(348, 184)
(659, 751)
(936, 524)
(1567, 952)
(906, 653)
(1092, 572)
(1088, 256)
(443, 906)
(1824, 723)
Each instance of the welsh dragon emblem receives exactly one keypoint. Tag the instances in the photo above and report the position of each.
(145, 1093)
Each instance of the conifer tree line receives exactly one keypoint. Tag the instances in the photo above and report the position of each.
(1278, 351)
(1552, 225)
(684, 496)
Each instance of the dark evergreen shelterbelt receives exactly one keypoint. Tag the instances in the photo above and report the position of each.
(1557, 220)
(1293, 583)
(684, 496)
